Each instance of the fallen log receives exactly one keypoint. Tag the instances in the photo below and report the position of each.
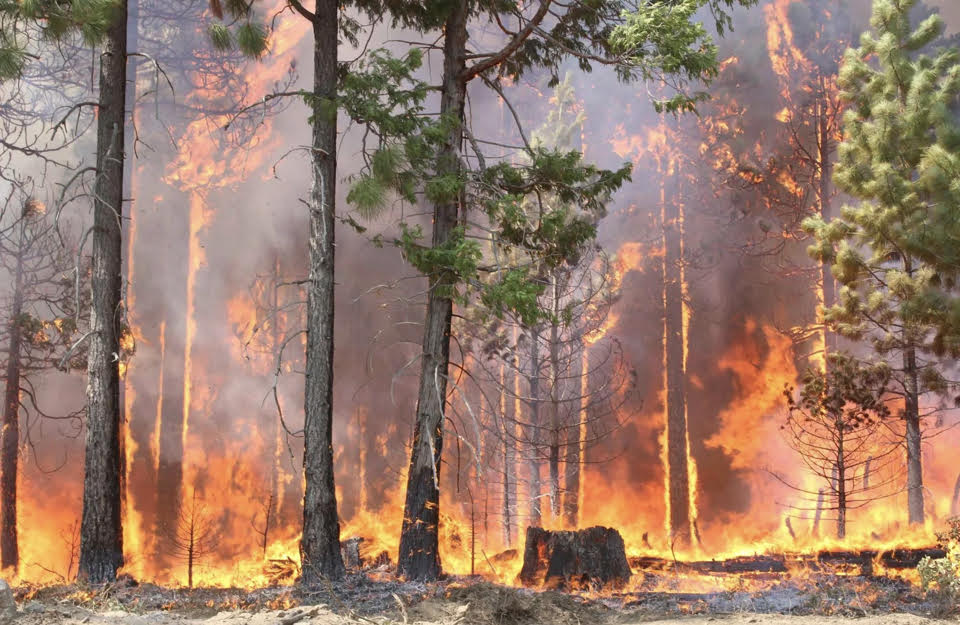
(909, 558)
(589, 559)
(854, 562)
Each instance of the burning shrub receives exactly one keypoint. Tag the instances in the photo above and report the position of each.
(940, 577)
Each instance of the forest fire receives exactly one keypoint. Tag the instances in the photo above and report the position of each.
(700, 372)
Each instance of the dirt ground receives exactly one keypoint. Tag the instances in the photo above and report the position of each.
(465, 602)
(435, 614)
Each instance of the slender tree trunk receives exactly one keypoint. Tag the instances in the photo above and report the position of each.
(841, 488)
(506, 516)
(818, 513)
(825, 156)
(419, 556)
(320, 543)
(571, 487)
(10, 439)
(101, 531)
(555, 429)
(913, 438)
(533, 431)
(678, 473)
(274, 428)
(955, 500)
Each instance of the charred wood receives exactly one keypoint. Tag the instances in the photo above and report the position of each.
(590, 558)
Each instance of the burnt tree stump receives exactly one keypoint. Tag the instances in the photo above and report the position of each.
(589, 558)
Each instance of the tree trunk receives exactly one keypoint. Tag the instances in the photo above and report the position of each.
(419, 556)
(555, 429)
(824, 156)
(274, 426)
(955, 500)
(678, 475)
(533, 431)
(506, 512)
(913, 438)
(101, 531)
(10, 439)
(574, 459)
(320, 543)
(818, 513)
(841, 489)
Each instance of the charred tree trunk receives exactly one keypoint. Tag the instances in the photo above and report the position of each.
(533, 431)
(589, 558)
(101, 532)
(913, 439)
(678, 473)
(320, 543)
(419, 556)
(10, 439)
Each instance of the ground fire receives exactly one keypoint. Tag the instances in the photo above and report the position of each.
(402, 307)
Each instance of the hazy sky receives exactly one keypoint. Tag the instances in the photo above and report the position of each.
(950, 9)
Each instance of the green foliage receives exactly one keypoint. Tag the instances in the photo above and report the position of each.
(846, 397)
(899, 132)
(252, 39)
(248, 36)
(220, 36)
(940, 577)
(661, 40)
(514, 291)
(56, 19)
(449, 265)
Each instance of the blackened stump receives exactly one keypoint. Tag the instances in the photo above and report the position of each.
(589, 558)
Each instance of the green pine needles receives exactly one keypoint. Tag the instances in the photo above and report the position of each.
(55, 20)
(890, 250)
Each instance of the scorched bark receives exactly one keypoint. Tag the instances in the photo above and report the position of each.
(320, 543)
(10, 440)
(101, 533)
(419, 556)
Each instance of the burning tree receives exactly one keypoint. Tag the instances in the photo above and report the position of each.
(833, 425)
(898, 131)
(42, 322)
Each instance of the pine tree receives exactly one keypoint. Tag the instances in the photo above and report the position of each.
(898, 128)
(833, 424)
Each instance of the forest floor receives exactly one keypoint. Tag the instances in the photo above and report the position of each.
(837, 601)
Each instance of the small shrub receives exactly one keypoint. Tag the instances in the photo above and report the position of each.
(940, 577)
